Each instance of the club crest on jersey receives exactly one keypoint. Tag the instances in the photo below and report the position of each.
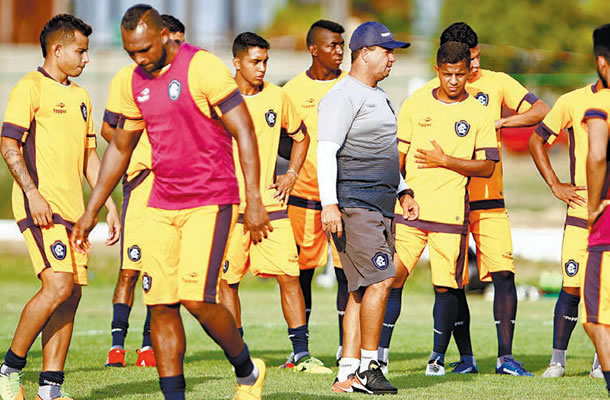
(483, 98)
(134, 253)
(462, 128)
(571, 268)
(271, 118)
(225, 266)
(83, 110)
(59, 250)
(381, 261)
(146, 282)
(173, 90)
(144, 95)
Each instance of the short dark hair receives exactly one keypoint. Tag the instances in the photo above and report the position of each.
(245, 40)
(453, 53)
(172, 23)
(323, 24)
(141, 12)
(356, 52)
(601, 41)
(460, 32)
(62, 27)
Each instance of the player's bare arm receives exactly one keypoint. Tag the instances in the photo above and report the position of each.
(239, 124)
(113, 166)
(42, 214)
(596, 167)
(565, 192)
(92, 168)
(107, 131)
(436, 158)
(284, 183)
(534, 115)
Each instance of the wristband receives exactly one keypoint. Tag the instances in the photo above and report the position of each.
(406, 191)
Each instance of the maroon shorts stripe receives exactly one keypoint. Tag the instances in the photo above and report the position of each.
(575, 221)
(459, 268)
(28, 223)
(128, 187)
(219, 244)
(592, 286)
(572, 151)
(432, 226)
(37, 234)
(273, 216)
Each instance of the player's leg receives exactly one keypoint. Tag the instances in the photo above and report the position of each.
(122, 302)
(146, 354)
(229, 297)
(342, 297)
(600, 336)
(350, 360)
(293, 308)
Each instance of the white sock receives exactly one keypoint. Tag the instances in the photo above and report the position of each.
(339, 353)
(366, 356)
(347, 366)
(383, 354)
(559, 357)
(146, 348)
(250, 379)
(595, 362)
(501, 359)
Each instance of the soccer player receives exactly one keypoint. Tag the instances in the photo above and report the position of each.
(136, 190)
(445, 137)
(272, 114)
(595, 290)
(359, 181)
(325, 44)
(48, 143)
(187, 100)
(567, 113)
(489, 222)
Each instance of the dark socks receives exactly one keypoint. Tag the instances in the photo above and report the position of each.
(392, 312)
(300, 342)
(505, 309)
(241, 331)
(444, 313)
(49, 384)
(342, 296)
(607, 378)
(566, 317)
(242, 363)
(146, 342)
(13, 361)
(305, 278)
(120, 323)
(461, 331)
(173, 387)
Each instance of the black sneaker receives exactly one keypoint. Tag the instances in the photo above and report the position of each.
(372, 381)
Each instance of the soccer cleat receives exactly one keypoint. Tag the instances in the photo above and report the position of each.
(345, 386)
(289, 363)
(596, 373)
(554, 370)
(252, 392)
(116, 358)
(384, 366)
(146, 358)
(512, 367)
(372, 381)
(435, 368)
(62, 397)
(311, 365)
(11, 387)
(463, 367)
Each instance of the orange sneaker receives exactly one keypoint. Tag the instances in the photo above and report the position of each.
(345, 386)
(146, 358)
(116, 358)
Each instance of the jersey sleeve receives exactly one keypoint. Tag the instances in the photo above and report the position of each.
(292, 123)
(23, 103)
(486, 144)
(131, 117)
(405, 129)
(556, 120)
(211, 78)
(112, 113)
(335, 117)
(91, 142)
(594, 113)
(516, 96)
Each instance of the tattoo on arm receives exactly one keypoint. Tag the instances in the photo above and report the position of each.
(16, 164)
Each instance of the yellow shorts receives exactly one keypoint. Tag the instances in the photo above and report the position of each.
(276, 255)
(50, 248)
(491, 232)
(311, 239)
(135, 196)
(184, 252)
(448, 254)
(595, 291)
(574, 253)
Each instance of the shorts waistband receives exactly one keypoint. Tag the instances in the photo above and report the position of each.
(304, 203)
(128, 186)
(486, 204)
(578, 222)
(28, 222)
(273, 215)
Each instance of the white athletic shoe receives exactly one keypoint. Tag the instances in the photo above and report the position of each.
(383, 366)
(435, 368)
(555, 370)
(596, 373)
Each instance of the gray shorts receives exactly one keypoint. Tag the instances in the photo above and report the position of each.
(366, 248)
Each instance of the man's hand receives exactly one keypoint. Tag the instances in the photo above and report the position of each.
(331, 219)
(500, 123)
(283, 185)
(434, 158)
(568, 194)
(256, 221)
(79, 239)
(40, 209)
(114, 225)
(594, 214)
(410, 208)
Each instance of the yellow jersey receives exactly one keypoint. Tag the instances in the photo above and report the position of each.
(305, 93)
(53, 122)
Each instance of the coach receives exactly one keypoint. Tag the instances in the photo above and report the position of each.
(359, 179)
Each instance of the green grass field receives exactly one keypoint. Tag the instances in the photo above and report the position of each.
(209, 376)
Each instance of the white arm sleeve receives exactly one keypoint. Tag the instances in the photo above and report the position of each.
(402, 185)
(327, 172)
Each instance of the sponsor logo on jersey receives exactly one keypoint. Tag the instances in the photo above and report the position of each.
(426, 123)
(146, 282)
(381, 261)
(59, 250)
(60, 108)
(483, 98)
(309, 103)
(144, 95)
(225, 266)
(134, 253)
(271, 118)
(173, 90)
(462, 128)
(571, 268)
(83, 110)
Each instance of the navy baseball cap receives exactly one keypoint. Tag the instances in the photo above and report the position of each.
(374, 34)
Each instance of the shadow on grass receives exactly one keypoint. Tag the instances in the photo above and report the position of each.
(138, 387)
(305, 396)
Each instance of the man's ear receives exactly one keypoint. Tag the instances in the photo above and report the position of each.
(313, 50)
(236, 63)
(57, 48)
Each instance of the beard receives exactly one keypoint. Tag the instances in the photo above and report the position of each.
(602, 78)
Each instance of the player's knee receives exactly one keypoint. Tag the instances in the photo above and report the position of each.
(128, 278)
